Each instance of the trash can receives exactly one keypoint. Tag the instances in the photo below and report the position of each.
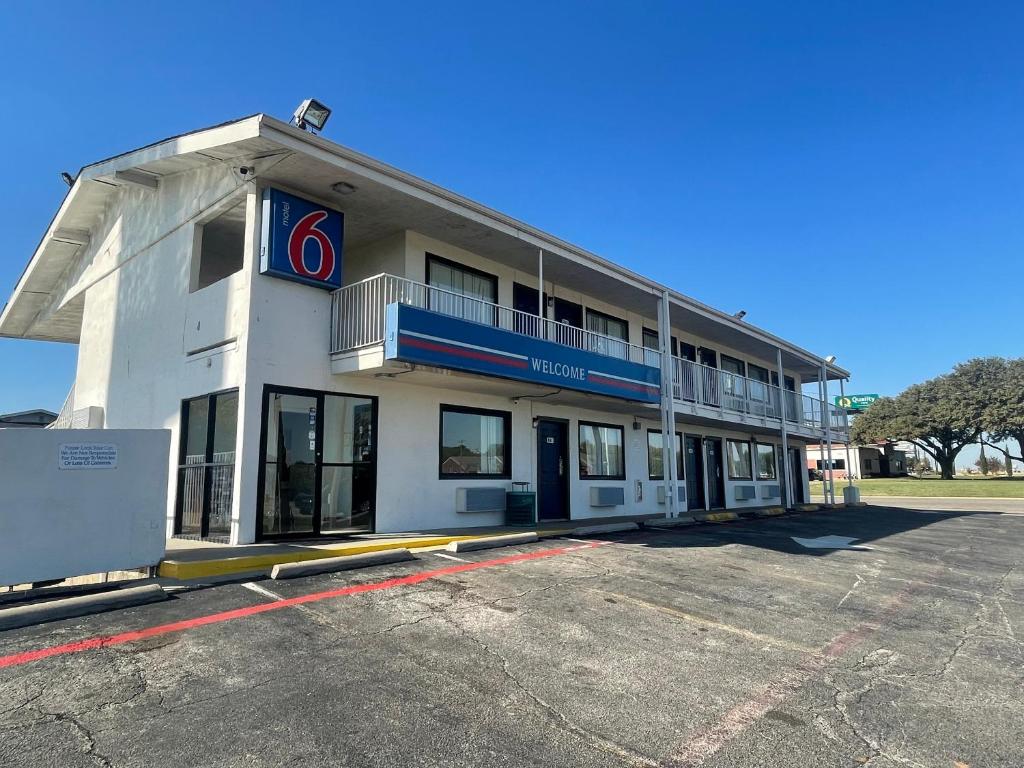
(520, 505)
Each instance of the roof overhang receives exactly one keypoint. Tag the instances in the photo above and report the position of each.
(386, 200)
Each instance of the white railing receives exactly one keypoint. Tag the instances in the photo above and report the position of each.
(357, 318)
(729, 392)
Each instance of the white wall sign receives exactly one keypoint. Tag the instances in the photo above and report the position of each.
(87, 456)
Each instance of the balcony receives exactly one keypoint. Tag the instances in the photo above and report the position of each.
(360, 323)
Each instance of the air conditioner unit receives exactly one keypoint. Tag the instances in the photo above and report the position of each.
(607, 496)
(480, 499)
(770, 492)
(680, 492)
(744, 492)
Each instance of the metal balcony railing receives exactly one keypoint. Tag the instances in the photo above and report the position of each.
(357, 318)
(729, 392)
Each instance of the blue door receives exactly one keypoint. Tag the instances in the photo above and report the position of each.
(552, 470)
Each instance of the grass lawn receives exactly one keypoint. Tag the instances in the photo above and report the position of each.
(1002, 487)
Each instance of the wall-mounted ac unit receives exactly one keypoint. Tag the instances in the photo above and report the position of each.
(481, 499)
(745, 492)
(770, 492)
(607, 496)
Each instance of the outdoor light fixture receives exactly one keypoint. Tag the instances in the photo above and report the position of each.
(741, 314)
(67, 178)
(830, 359)
(311, 115)
(343, 188)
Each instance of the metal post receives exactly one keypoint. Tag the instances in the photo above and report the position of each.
(668, 411)
(540, 286)
(846, 420)
(830, 494)
(786, 476)
(821, 442)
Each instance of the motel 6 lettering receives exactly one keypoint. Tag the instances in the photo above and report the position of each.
(302, 240)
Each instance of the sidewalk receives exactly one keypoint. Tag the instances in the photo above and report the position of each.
(188, 559)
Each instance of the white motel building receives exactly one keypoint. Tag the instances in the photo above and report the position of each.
(338, 346)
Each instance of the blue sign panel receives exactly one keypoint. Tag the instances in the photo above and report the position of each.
(301, 240)
(415, 335)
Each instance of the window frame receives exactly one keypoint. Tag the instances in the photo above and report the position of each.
(680, 465)
(775, 461)
(750, 461)
(198, 236)
(506, 417)
(606, 317)
(742, 364)
(579, 445)
(441, 260)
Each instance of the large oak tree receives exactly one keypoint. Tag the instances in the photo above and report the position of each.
(999, 384)
(941, 416)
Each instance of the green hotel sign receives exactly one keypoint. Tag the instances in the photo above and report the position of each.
(855, 402)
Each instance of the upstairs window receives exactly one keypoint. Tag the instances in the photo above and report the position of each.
(218, 248)
(463, 292)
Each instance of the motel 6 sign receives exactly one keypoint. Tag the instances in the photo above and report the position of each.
(301, 240)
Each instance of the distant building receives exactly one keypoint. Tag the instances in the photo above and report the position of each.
(31, 419)
(865, 460)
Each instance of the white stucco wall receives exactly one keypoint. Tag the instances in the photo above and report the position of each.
(60, 522)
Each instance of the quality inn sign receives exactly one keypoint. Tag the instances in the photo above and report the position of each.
(855, 402)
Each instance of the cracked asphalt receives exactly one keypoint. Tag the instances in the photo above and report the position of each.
(717, 645)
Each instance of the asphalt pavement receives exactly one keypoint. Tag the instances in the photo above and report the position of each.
(734, 644)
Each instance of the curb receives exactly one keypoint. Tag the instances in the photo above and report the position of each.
(197, 569)
(490, 542)
(717, 517)
(587, 530)
(669, 522)
(770, 512)
(807, 507)
(332, 564)
(70, 607)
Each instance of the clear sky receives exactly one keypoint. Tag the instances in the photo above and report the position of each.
(850, 174)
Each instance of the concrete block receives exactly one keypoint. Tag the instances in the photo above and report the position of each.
(717, 517)
(332, 564)
(70, 607)
(770, 512)
(807, 507)
(587, 530)
(489, 542)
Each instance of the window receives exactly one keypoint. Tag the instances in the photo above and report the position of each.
(218, 248)
(651, 348)
(599, 322)
(606, 325)
(732, 365)
(475, 443)
(765, 462)
(738, 459)
(467, 293)
(601, 452)
(656, 458)
(836, 463)
(206, 465)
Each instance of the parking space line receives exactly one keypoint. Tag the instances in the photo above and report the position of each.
(92, 643)
(450, 557)
(254, 587)
(711, 624)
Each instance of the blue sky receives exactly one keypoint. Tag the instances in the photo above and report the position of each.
(849, 174)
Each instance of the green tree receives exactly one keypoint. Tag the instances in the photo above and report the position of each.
(940, 416)
(1000, 385)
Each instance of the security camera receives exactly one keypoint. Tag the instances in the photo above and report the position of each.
(245, 170)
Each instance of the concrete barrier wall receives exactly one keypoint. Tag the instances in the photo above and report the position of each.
(81, 501)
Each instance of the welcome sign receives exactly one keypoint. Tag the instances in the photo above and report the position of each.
(415, 335)
(301, 240)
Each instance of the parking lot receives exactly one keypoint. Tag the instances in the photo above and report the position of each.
(718, 645)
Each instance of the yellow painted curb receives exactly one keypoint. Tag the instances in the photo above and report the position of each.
(717, 517)
(197, 569)
(807, 507)
(770, 512)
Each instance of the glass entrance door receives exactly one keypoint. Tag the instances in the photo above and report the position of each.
(319, 470)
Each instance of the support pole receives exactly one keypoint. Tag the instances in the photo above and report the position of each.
(830, 494)
(668, 411)
(784, 433)
(821, 442)
(846, 420)
(540, 288)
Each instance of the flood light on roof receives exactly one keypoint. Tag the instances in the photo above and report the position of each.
(311, 115)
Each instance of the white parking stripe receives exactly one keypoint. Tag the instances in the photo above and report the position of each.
(253, 587)
(450, 557)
